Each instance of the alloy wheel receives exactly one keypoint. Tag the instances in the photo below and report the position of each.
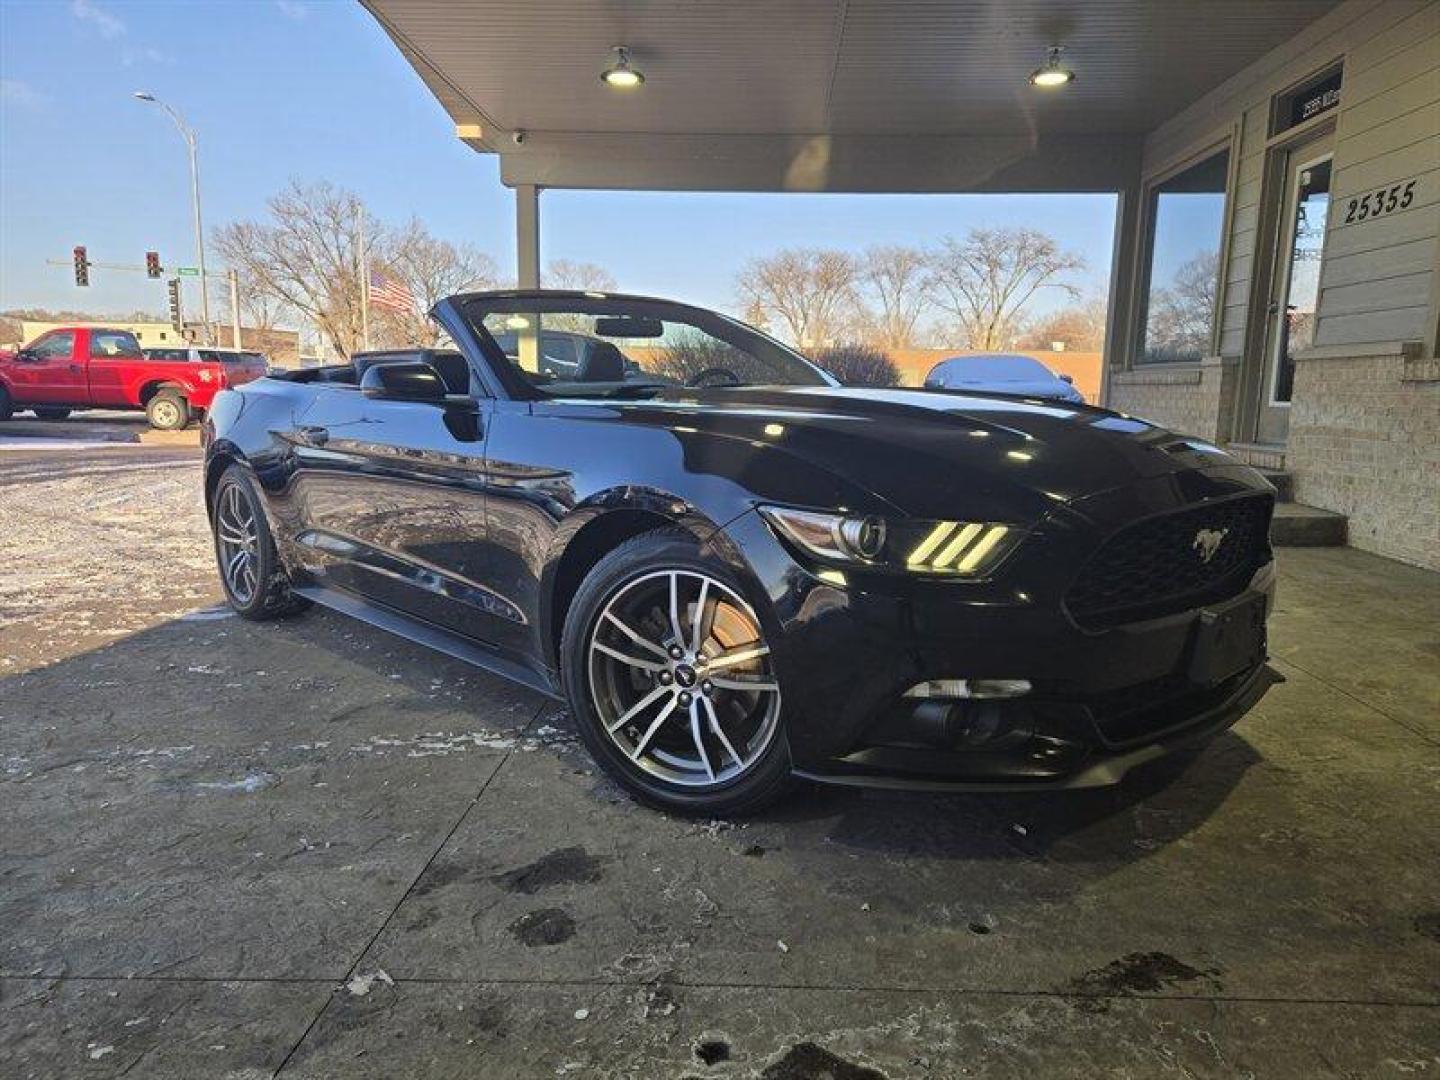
(238, 538)
(682, 679)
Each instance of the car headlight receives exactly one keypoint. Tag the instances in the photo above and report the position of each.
(964, 549)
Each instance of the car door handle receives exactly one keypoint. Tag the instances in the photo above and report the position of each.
(76, 367)
(314, 436)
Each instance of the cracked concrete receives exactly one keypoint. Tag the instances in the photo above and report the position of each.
(217, 835)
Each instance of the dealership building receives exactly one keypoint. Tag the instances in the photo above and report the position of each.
(1276, 168)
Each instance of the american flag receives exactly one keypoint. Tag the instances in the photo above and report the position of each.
(390, 294)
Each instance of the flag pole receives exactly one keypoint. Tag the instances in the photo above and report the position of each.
(364, 282)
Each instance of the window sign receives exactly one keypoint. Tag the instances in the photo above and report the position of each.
(1308, 100)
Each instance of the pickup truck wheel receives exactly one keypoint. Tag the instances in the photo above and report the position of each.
(7, 406)
(52, 413)
(254, 580)
(168, 411)
(668, 673)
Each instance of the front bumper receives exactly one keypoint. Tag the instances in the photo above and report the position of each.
(848, 647)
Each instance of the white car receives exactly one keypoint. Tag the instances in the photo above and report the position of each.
(1003, 373)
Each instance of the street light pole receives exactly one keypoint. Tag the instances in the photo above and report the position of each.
(188, 134)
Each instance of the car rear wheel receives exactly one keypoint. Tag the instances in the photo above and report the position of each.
(168, 411)
(250, 572)
(670, 678)
(50, 413)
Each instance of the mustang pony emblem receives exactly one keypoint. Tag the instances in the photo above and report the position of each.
(1208, 541)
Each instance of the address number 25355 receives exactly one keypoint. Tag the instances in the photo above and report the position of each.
(1383, 201)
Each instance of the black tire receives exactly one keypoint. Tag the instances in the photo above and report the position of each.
(48, 412)
(268, 595)
(756, 781)
(168, 411)
(7, 404)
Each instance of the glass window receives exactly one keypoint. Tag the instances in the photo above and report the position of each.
(1187, 215)
(168, 354)
(611, 347)
(61, 343)
(115, 343)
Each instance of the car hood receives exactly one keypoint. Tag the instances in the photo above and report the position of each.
(932, 453)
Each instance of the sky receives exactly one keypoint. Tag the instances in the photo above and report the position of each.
(312, 89)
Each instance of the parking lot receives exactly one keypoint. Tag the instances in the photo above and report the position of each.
(309, 848)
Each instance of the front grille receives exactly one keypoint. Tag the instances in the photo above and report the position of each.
(1156, 567)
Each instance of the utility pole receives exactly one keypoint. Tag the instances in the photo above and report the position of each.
(234, 280)
(188, 134)
(364, 281)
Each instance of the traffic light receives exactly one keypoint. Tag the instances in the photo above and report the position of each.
(152, 264)
(175, 320)
(82, 267)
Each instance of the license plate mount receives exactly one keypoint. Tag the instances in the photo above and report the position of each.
(1229, 638)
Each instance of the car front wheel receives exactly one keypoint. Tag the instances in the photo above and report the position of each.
(670, 678)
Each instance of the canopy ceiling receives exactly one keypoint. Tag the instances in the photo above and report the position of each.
(749, 84)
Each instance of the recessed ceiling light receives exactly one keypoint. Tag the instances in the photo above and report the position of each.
(1052, 73)
(621, 75)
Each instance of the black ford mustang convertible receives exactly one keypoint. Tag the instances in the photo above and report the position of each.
(736, 571)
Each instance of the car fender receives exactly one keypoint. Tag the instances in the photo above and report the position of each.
(633, 509)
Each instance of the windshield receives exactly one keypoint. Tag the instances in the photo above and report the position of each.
(993, 369)
(609, 347)
(223, 356)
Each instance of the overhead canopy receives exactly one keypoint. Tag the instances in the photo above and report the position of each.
(857, 95)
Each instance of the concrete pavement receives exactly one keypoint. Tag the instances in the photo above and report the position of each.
(310, 849)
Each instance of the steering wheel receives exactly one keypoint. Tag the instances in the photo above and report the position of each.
(700, 378)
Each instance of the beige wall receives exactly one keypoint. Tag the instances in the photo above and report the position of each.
(148, 334)
(1387, 129)
(1365, 418)
(279, 345)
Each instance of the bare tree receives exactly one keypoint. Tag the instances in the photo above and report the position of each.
(306, 257)
(1179, 318)
(431, 269)
(580, 276)
(894, 277)
(986, 280)
(260, 309)
(1080, 327)
(808, 292)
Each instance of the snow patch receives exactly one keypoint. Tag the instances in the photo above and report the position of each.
(361, 985)
(250, 783)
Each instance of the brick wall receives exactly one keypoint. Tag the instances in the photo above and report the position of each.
(1196, 399)
(1083, 367)
(1365, 442)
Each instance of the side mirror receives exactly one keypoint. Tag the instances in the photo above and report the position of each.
(1067, 378)
(25, 356)
(406, 380)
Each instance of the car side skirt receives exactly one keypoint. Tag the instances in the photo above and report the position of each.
(431, 637)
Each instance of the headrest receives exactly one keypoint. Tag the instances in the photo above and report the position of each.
(603, 363)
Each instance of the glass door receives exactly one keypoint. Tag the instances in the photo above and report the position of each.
(1295, 291)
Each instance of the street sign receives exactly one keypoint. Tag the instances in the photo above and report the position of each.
(188, 271)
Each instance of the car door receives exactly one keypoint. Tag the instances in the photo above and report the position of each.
(113, 355)
(43, 374)
(393, 502)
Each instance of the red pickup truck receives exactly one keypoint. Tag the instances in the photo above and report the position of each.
(93, 368)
